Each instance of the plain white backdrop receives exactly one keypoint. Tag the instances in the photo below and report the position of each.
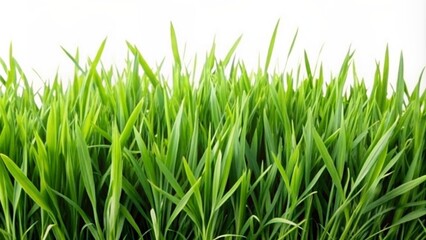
(38, 29)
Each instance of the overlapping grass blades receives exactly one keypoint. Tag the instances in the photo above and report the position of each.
(241, 155)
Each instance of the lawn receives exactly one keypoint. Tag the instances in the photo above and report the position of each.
(231, 154)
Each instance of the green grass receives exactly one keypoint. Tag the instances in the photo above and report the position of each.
(234, 154)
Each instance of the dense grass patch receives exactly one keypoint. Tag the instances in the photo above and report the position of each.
(121, 154)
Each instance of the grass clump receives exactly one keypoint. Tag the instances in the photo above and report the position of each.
(121, 154)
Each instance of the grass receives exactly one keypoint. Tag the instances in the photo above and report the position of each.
(242, 155)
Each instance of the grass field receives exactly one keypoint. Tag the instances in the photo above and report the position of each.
(235, 154)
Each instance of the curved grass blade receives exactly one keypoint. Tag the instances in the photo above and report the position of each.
(175, 46)
(148, 71)
(26, 184)
(271, 46)
(328, 161)
(231, 51)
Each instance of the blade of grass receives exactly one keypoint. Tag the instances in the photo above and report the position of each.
(175, 48)
(26, 184)
(271, 46)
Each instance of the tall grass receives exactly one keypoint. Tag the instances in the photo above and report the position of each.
(123, 155)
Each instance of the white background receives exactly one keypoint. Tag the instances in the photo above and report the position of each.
(38, 29)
